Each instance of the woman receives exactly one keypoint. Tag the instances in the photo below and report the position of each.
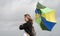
(28, 26)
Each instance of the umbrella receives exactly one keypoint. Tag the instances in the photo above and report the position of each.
(45, 17)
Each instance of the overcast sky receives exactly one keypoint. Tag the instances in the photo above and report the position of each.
(12, 15)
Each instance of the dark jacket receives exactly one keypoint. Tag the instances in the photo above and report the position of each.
(28, 28)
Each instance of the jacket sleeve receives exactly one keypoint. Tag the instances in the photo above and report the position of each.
(21, 27)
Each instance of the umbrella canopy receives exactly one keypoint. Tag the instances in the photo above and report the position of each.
(45, 17)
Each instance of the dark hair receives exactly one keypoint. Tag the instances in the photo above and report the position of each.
(29, 18)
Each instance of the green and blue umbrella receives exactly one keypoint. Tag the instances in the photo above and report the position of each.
(45, 17)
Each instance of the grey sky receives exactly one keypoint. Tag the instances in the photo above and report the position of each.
(12, 14)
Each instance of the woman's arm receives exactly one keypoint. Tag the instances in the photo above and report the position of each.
(21, 27)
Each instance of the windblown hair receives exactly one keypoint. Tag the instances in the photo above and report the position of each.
(29, 17)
